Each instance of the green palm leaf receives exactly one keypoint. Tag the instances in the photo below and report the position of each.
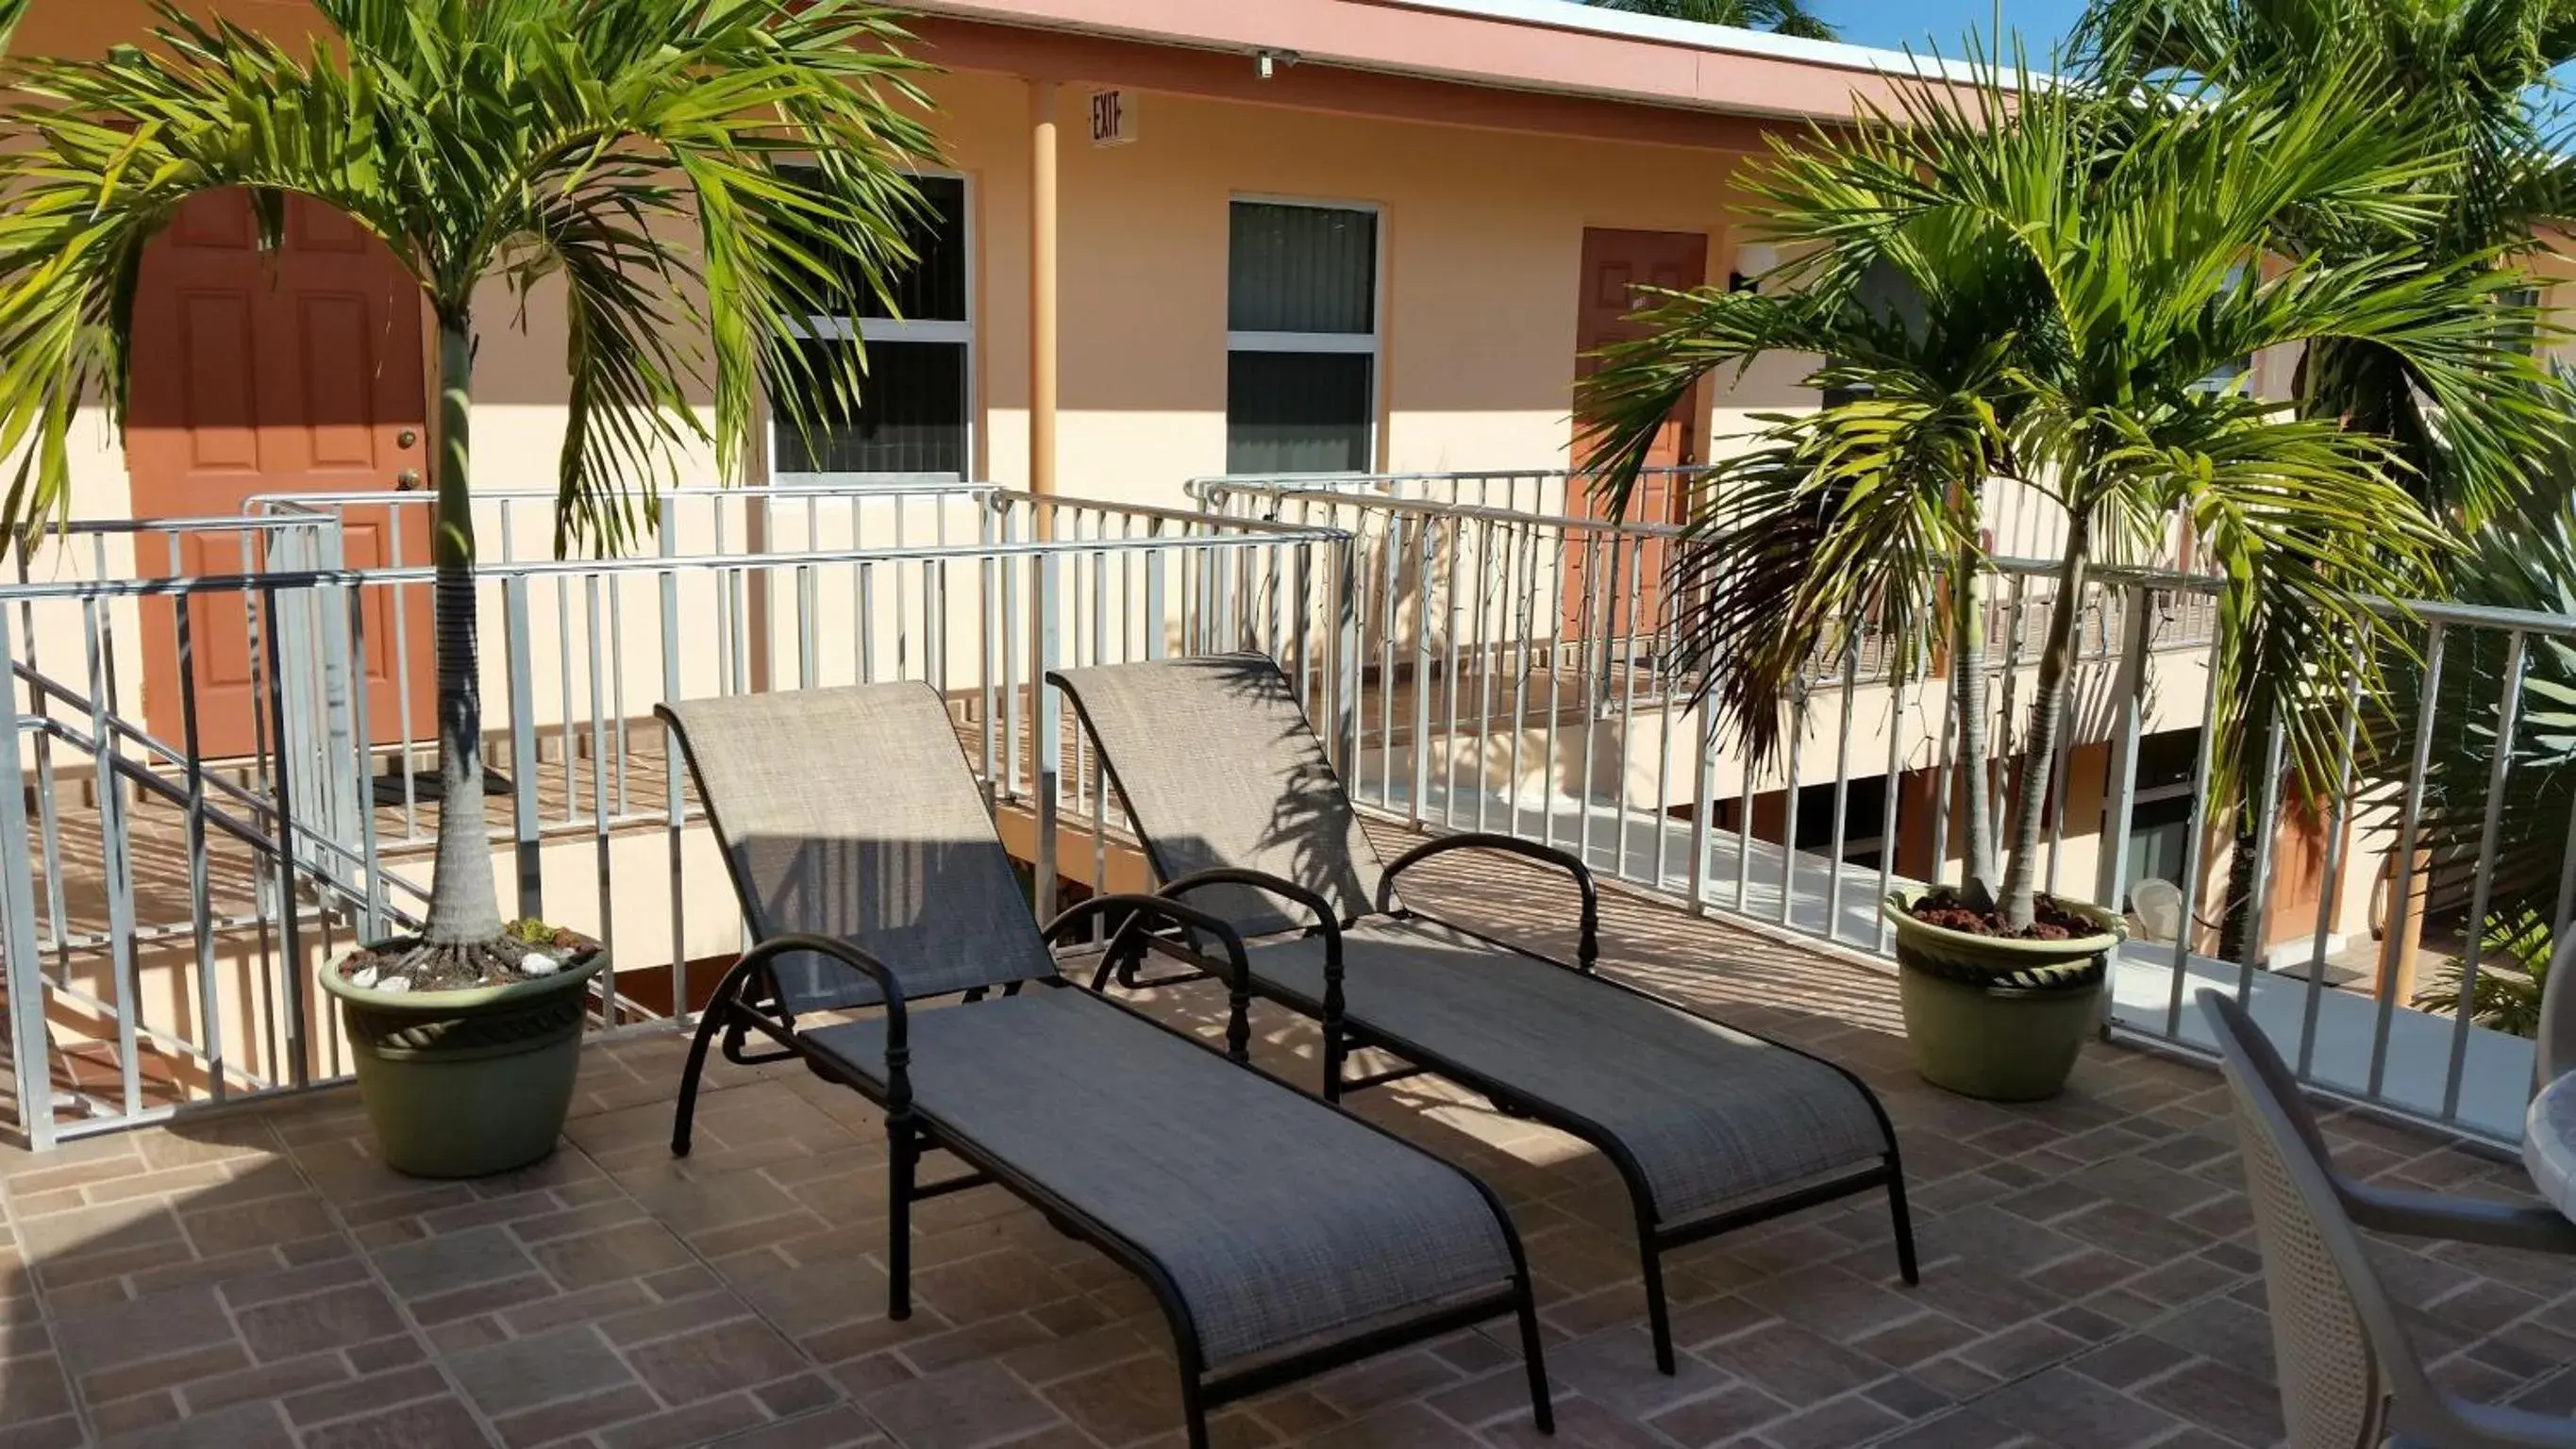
(2071, 252)
(697, 176)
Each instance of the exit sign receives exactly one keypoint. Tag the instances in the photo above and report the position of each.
(1113, 118)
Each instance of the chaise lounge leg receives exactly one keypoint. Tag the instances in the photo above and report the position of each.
(1193, 1411)
(903, 1160)
(1542, 1404)
(687, 1111)
(1903, 1220)
(1659, 1315)
(1336, 1055)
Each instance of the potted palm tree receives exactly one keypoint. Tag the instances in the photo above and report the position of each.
(2482, 74)
(2042, 284)
(692, 175)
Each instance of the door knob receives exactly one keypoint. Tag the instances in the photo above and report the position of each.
(406, 480)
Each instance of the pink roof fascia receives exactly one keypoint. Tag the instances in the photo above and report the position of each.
(1541, 45)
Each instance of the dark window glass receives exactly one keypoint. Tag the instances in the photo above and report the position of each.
(911, 416)
(933, 287)
(1301, 269)
(1297, 412)
(2524, 297)
(2159, 841)
(1883, 292)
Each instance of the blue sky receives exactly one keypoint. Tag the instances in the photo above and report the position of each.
(1895, 23)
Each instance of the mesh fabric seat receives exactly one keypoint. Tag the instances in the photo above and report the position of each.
(2349, 1374)
(1279, 1236)
(1277, 1219)
(1714, 1117)
(1240, 811)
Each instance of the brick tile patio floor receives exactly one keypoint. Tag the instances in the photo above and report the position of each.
(2089, 1276)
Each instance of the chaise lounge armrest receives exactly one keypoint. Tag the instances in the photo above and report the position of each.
(898, 1052)
(1327, 924)
(1588, 944)
(1238, 1026)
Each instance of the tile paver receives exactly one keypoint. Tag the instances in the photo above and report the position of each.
(2089, 1273)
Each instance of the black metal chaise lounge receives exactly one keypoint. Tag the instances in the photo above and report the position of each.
(1280, 1236)
(1710, 1128)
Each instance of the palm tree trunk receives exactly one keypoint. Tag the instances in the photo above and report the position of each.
(463, 909)
(1968, 687)
(2047, 713)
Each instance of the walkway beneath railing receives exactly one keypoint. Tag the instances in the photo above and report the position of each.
(253, 1278)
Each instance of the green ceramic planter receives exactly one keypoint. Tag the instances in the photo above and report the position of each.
(467, 1083)
(1998, 1019)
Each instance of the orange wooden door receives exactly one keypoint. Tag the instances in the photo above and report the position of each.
(2298, 870)
(298, 372)
(1603, 595)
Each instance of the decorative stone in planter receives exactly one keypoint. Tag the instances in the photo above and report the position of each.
(1995, 1017)
(469, 1081)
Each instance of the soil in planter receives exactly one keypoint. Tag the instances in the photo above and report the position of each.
(2049, 920)
(492, 963)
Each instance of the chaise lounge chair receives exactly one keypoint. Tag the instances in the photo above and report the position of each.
(1280, 1236)
(1238, 809)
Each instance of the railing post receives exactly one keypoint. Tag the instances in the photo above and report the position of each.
(1420, 785)
(30, 1042)
(1703, 807)
(1047, 749)
(673, 811)
(291, 986)
(1155, 596)
(2401, 897)
(2120, 789)
(1346, 647)
(107, 761)
(523, 746)
(2499, 771)
(2193, 861)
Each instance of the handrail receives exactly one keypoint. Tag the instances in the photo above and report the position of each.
(2529, 621)
(877, 486)
(1255, 534)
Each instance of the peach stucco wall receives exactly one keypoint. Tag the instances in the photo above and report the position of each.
(1481, 236)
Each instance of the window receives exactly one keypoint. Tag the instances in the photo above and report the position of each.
(1887, 294)
(1301, 339)
(2161, 805)
(2226, 374)
(915, 407)
(2525, 297)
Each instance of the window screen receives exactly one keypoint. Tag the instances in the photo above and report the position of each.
(1301, 339)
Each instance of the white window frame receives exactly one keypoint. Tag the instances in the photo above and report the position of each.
(1369, 343)
(905, 329)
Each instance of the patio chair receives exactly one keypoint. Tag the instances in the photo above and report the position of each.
(2553, 1052)
(1709, 1128)
(2350, 1376)
(1280, 1237)
(2406, 1212)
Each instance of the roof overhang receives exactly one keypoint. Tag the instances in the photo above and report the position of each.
(1553, 46)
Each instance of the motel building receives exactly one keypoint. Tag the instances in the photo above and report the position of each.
(1167, 241)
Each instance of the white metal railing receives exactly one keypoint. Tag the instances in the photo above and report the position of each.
(1513, 658)
(170, 906)
(1472, 665)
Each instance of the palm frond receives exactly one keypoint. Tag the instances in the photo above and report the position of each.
(701, 176)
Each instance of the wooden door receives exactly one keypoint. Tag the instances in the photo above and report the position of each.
(2298, 871)
(1603, 595)
(294, 372)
